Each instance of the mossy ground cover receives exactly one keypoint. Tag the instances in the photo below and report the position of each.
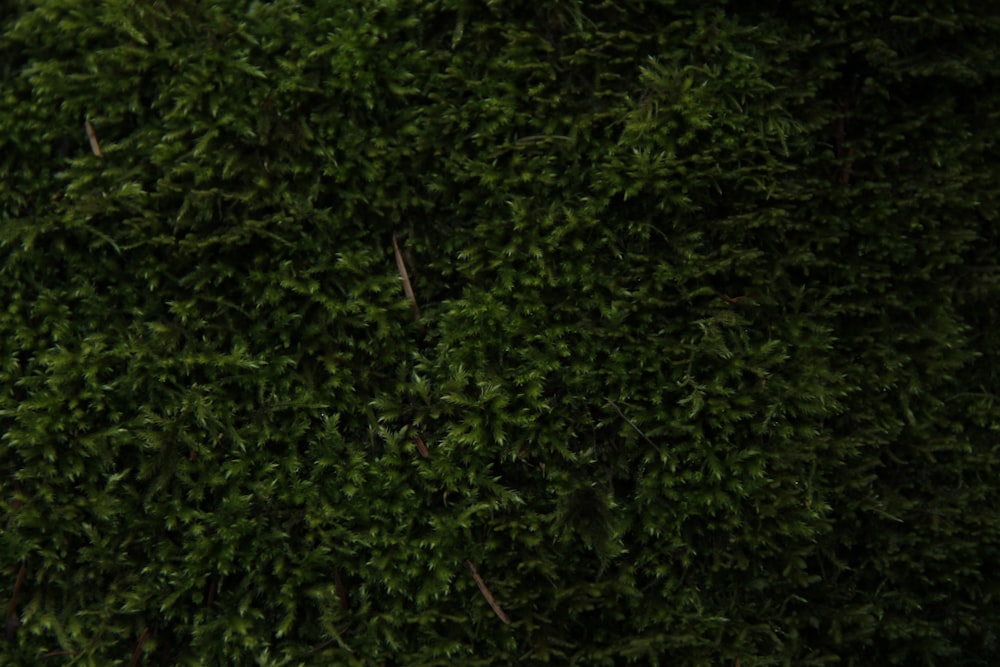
(697, 363)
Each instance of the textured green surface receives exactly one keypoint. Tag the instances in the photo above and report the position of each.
(706, 367)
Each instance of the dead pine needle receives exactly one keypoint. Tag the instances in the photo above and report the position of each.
(421, 447)
(95, 145)
(341, 590)
(54, 654)
(137, 654)
(212, 588)
(632, 424)
(407, 286)
(336, 639)
(13, 620)
(486, 594)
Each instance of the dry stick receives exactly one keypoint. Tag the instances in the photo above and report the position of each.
(138, 648)
(12, 619)
(407, 287)
(95, 146)
(486, 593)
(421, 447)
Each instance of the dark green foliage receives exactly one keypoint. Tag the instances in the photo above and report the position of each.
(706, 370)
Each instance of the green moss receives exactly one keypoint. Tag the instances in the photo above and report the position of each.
(705, 364)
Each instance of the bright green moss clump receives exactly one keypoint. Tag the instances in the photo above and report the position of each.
(705, 372)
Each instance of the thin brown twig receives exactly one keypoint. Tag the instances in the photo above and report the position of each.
(212, 587)
(341, 591)
(53, 654)
(95, 145)
(137, 653)
(16, 502)
(407, 286)
(13, 622)
(486, 594)
(847, 155)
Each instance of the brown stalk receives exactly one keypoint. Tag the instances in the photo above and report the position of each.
(13, 622)
(212, 586)
(486, 594)
(341, 591)
(95, 145)
(53, 654)
(846, 156)
(421, 447)
(137, 653)
(407, 286)
(16, 503)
